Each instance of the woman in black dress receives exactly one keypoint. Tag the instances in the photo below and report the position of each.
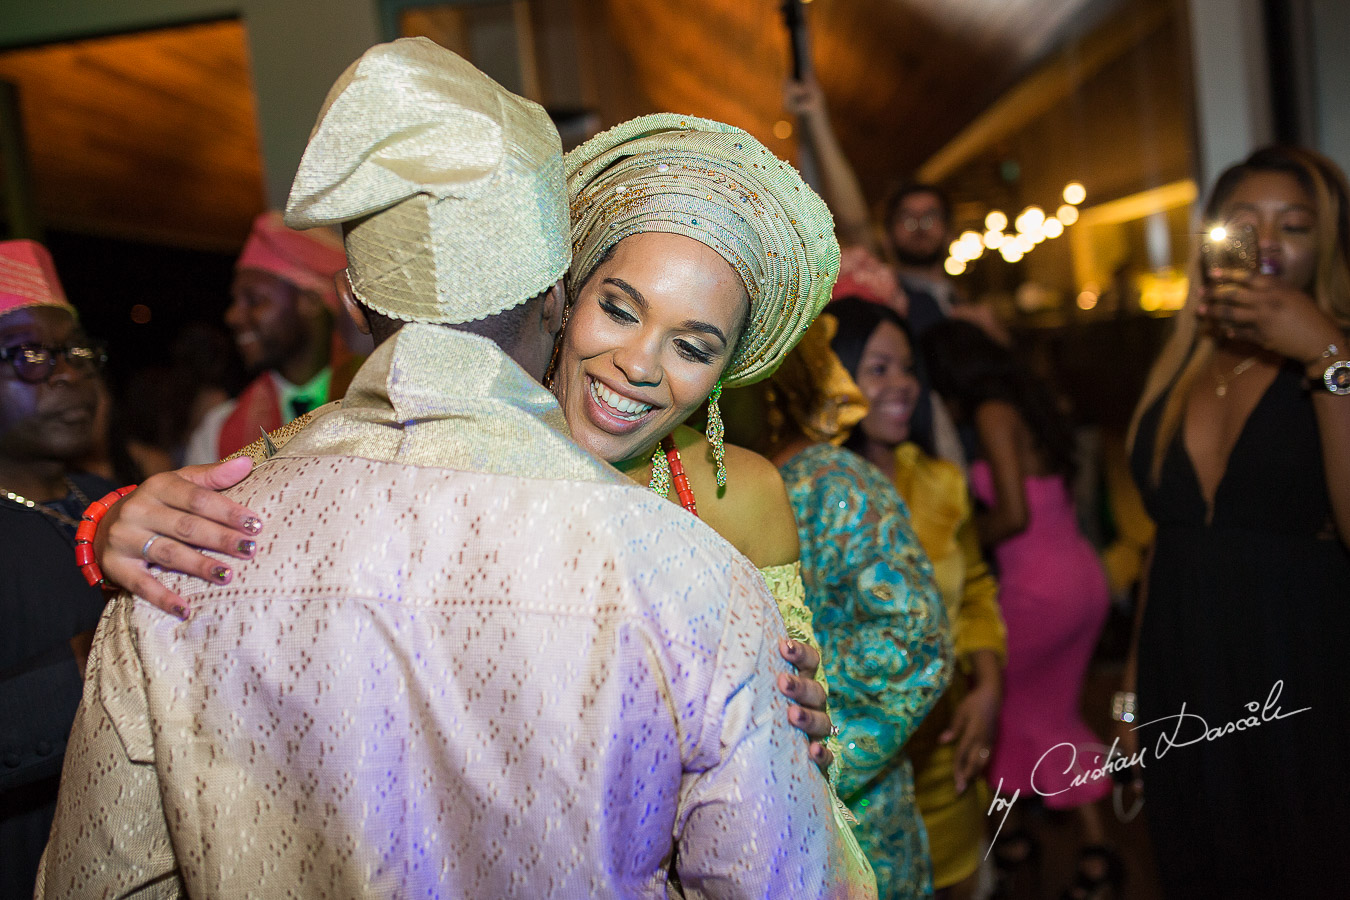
(1241, 447)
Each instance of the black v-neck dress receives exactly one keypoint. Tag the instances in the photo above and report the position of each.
(1250, 606)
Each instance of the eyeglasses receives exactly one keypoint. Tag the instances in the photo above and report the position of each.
(919, 223)
(35, 363)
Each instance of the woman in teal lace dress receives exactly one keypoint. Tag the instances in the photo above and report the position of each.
(881, 624)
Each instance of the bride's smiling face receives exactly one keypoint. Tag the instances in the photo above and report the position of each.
(650, 333)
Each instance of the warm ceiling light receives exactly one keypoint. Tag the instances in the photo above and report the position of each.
(782, 129)
(996, 220)
(994, 239)
(1010, 251)
(1067, 214)
(954, 266)
(1030, 220)
(1052, 228)
(1024, 242)
(1218, 233)
(1087, 300)
(1074, 193)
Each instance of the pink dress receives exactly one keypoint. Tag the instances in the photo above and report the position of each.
(1055, 599)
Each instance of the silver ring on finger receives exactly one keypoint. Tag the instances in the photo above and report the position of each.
(834, 730)
(145, 548)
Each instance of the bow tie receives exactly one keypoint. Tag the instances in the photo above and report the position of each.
(303, 403)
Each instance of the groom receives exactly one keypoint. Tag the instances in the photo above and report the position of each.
(468, 659)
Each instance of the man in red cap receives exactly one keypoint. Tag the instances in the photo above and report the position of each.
(48, 376)
(282, 315)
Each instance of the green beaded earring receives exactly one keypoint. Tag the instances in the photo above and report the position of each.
(716, 433)
(660, 482)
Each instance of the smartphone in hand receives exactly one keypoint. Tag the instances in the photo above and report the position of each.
(1229, 249)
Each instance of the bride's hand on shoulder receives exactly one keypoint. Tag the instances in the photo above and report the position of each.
(167, 521)
(807, 713)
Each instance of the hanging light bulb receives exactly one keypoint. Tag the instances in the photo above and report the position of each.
(1030, 219)
(1067, 214)
(1052, 228)
(954, 266)
(1074, 193)
(996, 220)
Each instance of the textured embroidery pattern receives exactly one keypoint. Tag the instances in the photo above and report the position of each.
(883, 628)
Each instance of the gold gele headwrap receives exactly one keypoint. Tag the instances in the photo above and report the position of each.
(817, 392)
(718, 185)
(452, 186)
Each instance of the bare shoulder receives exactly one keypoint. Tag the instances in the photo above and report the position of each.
(997, 415)
(752, 512)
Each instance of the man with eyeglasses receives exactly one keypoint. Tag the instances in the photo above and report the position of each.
(918, 223)
(48, 374)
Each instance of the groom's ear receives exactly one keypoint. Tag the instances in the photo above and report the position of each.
(350, 305)
(555, 302)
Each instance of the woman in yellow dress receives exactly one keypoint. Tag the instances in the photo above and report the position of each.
(951, 748)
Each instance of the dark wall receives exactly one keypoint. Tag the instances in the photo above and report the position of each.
(106, 277)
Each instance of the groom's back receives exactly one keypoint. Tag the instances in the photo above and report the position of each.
(444, 683)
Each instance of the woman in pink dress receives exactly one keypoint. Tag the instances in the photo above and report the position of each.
(1053, 593)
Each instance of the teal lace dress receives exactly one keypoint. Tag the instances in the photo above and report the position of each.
(887, 647)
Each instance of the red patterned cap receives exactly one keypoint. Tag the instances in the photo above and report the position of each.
(28, 278)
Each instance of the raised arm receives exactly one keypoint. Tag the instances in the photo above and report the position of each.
(843, 194)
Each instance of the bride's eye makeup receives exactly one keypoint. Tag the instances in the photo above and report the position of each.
(693, 352)
(617, 312)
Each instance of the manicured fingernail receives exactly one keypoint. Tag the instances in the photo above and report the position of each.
(799, 715)
(793, 684)
(247, 547)
(793, 648)
(221, 574)
(181, 612)
(252, 525)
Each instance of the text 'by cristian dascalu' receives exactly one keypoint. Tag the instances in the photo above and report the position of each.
(1180, 730)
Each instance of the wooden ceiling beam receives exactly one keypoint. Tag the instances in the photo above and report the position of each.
(1044, 89)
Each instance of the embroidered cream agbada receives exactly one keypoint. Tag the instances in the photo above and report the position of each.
(519, 676)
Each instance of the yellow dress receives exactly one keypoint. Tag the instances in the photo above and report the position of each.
(940, 512)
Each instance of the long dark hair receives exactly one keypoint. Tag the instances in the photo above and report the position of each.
(858, 321)
(969, 367)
